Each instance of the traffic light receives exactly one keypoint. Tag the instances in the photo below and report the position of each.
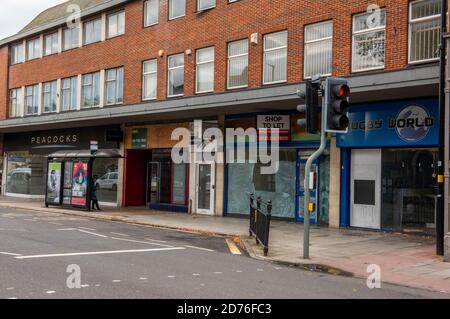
(311, 107)
(337, 102)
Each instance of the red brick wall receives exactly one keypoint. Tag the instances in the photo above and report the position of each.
(227, 22)
(4, 58)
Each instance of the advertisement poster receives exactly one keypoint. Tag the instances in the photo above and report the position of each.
(54, 182)
(67, 194)
(79, 183)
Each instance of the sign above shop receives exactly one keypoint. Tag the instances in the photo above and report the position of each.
(392, 124)
(269, 122)
(139, 138)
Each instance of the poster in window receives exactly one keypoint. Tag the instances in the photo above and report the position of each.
(79, 183)
(67, 196)
(54, 182)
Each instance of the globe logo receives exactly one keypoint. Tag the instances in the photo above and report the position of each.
(413, 123)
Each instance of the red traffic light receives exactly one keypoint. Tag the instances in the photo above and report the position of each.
(342, 91)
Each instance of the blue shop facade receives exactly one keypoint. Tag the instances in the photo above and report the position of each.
(389, 163)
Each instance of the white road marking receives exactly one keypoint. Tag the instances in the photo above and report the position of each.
(64, 229)
(116, 280)
(50, 292)
(199, 248)
(10, 288)
(100, 253)
(86, 228)
(120, 234)
(171, 276)
(140, 242)
(218, 273)
(84, 286)
(30, 220)
(143, 278)
(156, 241)
(13, 298)
(239, 271)
(58, 224)
(195, 275)
(259, 269)
(10, 254)
(91, 233)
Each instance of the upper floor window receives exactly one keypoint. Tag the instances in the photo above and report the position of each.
(318, 49)
(69, 90)
(150, 79)
(206, 4)
(176, 75)
(368, 41)
(177, 9)
(71, 38)
(49, 96)
(17, 53)
(151, 12)
(92, 31)
(237, 64)
(15, 103)
(32, 99)
(114, 86)
(90, 90)
(115, 24)
(51, 43)
(34, 49)
(205, 70)
(275, 57)
(424, 30)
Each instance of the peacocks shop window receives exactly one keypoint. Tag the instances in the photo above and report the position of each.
(25, 174)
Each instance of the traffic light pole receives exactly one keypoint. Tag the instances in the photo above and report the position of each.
(309, 162)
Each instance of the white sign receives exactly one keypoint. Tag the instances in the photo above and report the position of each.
(281, 122)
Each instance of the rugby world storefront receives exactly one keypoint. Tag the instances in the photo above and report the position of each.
(389, 160)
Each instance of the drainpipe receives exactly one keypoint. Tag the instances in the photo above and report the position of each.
(443, 172)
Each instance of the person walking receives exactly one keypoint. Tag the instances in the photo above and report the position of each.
(94, 199)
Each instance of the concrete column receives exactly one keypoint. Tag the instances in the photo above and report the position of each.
(40, 100)
(22, 99)
(79, 88)
(58, 96)
(60, 40)
(102, 88)
(103, 26)
(80, 34)
(335, 185)
(220, 174)
(42, 46)
(24, 51)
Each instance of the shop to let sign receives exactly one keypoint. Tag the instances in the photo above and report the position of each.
(266, 123)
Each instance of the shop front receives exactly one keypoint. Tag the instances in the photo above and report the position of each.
(285, 187)
(25, 160)
(390, 158)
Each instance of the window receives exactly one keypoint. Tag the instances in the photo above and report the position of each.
(17, 53)
(32, 99)
(318, 49)
(116, 24)
(90, 95)
(34, 49)
(51, 43)
(69, 90)
(368, 42)
(114, 86)
(150, 79)
(206, 4)
(71, 37)
(177, 9)
(92, 31)
(275, 57)
(205, 70)
(176, 75)
(151, 12)
(424, 30)
(49, 96)
(237, 64)
(15, 103)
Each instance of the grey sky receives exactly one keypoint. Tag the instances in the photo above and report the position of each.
(15, 14)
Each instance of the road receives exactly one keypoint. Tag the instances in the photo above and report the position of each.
(118, 260)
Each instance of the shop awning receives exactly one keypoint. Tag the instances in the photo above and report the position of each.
(85, 154)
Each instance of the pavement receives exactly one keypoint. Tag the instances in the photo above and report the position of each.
(404, 259)
(53, 255)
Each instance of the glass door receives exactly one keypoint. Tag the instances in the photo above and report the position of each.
(205, 188)
(153, 182)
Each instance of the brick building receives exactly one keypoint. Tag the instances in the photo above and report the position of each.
(148, 67)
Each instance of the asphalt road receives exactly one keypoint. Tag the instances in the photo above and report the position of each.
(119, 260)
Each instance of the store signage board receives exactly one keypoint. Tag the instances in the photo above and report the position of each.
(139, 138)
(269, 122)
(412, 123)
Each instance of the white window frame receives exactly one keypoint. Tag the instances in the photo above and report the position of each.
(231, 57)
(175, 68)
(317, 41)
(15, 103)
(170, 10)
(411, 22)
(199, 65)
(370, 30)
(200, 9)
(91, 87)
(146, 7)
(36, 55)
(71, 31)
(85, 24)
(72, 91)
(265, 51)
(17, 48)
(52, 94)
(149, 74)
(35, 99)
(116, 81)
(118, 32)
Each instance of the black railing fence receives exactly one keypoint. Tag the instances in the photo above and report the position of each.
(260, 215)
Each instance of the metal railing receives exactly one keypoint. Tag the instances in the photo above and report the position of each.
(260, 215)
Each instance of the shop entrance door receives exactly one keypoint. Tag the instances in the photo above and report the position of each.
(206, 188)
(153, 182)
(365, 199)
(301, 190)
